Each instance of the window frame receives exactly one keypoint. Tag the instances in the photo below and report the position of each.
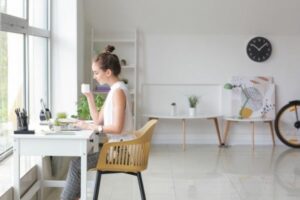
(13, 24)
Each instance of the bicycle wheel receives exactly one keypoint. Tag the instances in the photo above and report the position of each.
(287, 124)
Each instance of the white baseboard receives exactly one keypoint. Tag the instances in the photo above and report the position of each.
(261, 138)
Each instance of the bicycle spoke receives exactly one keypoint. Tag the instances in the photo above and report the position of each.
(296, 111)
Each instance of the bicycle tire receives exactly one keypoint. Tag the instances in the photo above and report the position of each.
(279, 134)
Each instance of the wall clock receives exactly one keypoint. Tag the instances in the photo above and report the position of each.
(259, 49)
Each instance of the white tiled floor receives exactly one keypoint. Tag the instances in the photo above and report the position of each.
(208, 172)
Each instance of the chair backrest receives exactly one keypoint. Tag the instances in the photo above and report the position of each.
(128, 156)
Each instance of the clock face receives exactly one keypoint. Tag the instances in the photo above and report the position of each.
(259, 49)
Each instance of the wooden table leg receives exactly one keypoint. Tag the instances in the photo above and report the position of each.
(272, 132)
(183, 129)
(218, 130)
(226, 131)
(253, 134)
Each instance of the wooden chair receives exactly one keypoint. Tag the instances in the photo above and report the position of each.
(130, 157)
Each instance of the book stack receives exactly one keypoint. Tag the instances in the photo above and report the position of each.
(102, 88)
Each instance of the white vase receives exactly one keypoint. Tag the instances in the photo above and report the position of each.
(173, 110)
(192, 111)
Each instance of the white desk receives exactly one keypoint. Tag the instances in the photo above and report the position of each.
(183, 118)
(40, 144)
(251, 120)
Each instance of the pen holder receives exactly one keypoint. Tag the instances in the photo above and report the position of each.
(22, 123)
(24, 132)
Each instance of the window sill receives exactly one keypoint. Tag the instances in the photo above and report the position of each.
(6, 166)
(6, 154)
(6, 171)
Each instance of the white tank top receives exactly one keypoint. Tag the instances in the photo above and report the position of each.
(108, 114)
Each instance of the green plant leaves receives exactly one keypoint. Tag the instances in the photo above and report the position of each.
(83, 111)
(193, 100)
(228, 86)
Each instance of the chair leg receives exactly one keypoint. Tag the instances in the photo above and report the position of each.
(97, 185)
(139, 176)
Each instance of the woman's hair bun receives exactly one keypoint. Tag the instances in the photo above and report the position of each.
(109, 49)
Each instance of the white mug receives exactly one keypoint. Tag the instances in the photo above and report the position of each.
(85, 88)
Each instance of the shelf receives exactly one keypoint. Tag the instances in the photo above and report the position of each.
(114, 40)
(131, 91)
(128, 67)
(98, 92)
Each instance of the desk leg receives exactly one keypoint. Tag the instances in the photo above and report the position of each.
(218, 130)
(16, 166)
(96, 142)
(40, 175)
(84, 171)
(226, 132)
(183, 129)
(272, 132)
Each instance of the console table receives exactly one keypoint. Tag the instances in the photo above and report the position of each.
(183, 119)
(228, 121)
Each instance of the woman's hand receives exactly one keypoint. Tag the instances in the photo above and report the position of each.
(88, 94)
(83, 125)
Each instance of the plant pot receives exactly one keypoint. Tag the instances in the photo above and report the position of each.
(57, 128)
(173, 110)
(192, 111)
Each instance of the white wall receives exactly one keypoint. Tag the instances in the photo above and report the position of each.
(204, 41)
(64, 56)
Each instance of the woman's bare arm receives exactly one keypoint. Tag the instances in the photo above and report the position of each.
(96, 116)
(119, 106)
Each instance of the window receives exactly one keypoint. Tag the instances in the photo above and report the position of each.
(12, 7)
(23, 62)
(11, 84)
(37, 18)
(38, 76)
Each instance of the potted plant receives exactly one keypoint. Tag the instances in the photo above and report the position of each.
(123, 62)
(193, 101)
(173, 108)
(125, 80)
(56, 124)
(83, 111)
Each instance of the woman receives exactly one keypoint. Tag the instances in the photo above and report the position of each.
(114, 119)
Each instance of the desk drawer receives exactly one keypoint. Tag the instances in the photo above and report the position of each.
(53, 147)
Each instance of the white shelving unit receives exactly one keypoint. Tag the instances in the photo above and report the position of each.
(126, 48)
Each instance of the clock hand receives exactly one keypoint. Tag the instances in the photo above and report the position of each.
(254, 46)
(260, 48)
